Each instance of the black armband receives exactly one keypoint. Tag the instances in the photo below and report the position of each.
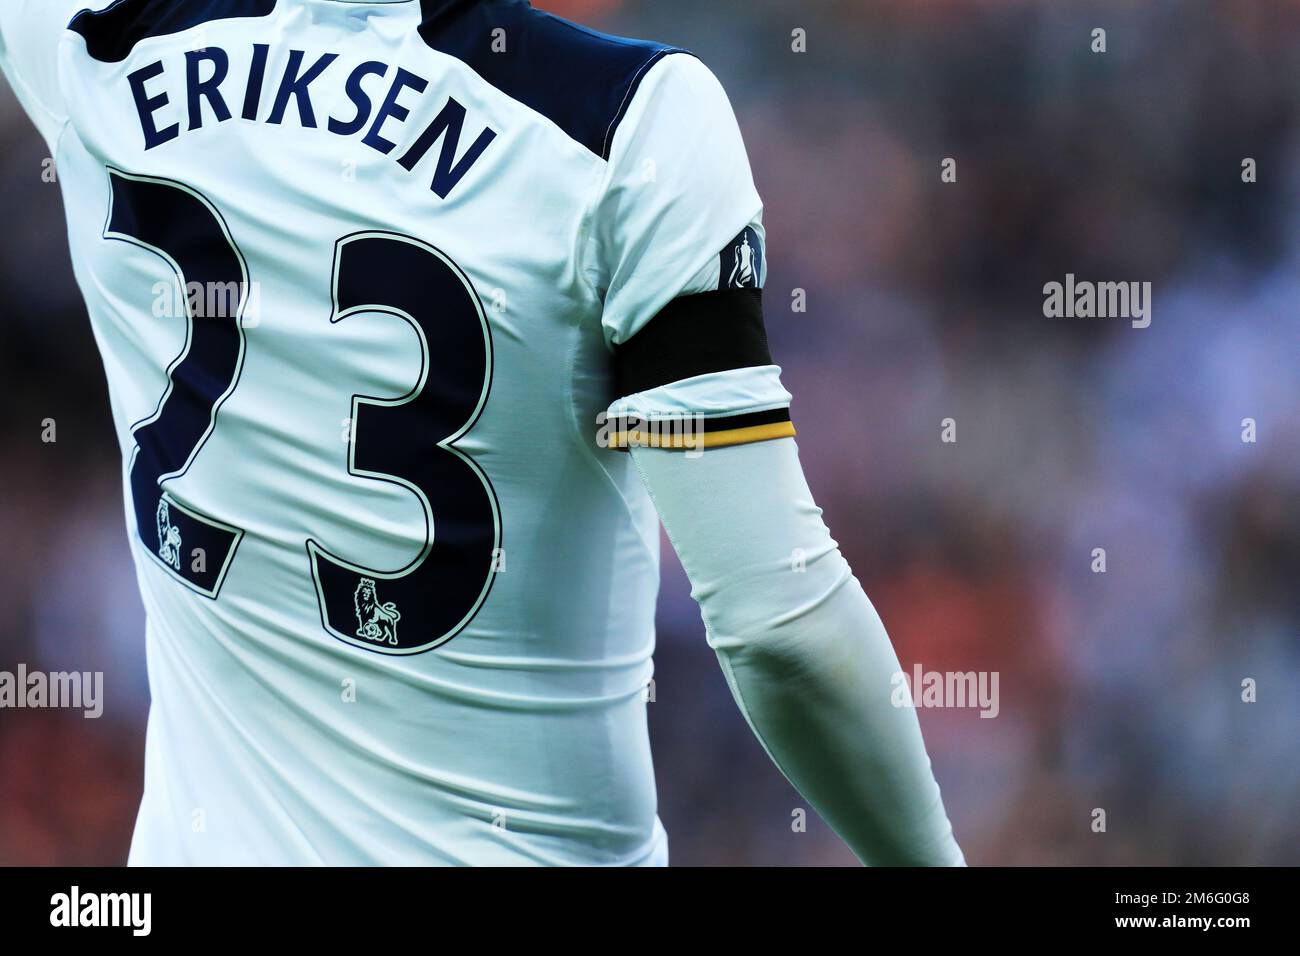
(694, 335)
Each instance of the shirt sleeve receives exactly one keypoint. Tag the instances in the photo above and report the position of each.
(804, 652)
(30, 32)
(676, 251)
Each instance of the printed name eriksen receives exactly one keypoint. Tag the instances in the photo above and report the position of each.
(102, 909)
(207, 94)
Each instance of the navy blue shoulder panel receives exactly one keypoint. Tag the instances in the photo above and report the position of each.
(112, 33)
(581, 80)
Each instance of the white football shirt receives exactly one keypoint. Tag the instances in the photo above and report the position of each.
(356, 270)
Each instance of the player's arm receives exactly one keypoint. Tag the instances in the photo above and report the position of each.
(803, 650)
(30, 31)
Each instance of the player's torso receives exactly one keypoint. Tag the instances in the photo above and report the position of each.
(377, 543)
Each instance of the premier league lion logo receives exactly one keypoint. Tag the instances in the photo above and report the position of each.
(169, 536)
(375, 621)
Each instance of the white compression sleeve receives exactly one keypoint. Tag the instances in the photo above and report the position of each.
(805, 653)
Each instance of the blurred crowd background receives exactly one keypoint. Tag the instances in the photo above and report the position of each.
(1119, 690)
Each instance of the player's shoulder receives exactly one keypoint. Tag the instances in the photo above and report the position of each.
(112, 29)
(582, 80)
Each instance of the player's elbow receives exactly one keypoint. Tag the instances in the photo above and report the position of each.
(782, 617)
